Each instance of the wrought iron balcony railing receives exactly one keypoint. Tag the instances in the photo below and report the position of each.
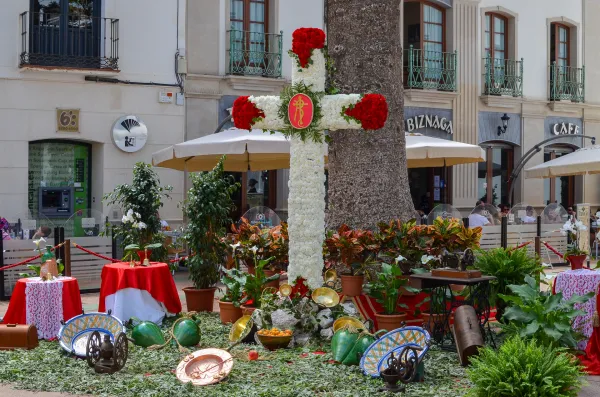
(430, 69)
(503, 77)
(567, 83)
(254, 53)
(69, 40)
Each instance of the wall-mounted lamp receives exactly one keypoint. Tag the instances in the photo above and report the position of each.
(502, 129)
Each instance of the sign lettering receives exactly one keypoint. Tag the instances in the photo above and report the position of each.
(565, 129)
(67, 120)
(428, 121)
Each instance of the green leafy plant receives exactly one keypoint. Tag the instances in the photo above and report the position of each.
(207, 209)
(540, 315)
(141, 200)
(573, 229)
(403, 239)
(255, 283)
(234, 281)
(509, 266)
(132, 250)
(385, 288)
(355, 249)
(522, 369)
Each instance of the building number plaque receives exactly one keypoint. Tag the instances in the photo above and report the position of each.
(67, 120)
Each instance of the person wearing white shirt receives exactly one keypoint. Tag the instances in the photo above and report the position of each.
(476, 220)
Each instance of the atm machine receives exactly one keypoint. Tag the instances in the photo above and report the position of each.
(56, 202)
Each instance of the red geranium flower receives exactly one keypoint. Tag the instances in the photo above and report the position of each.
(300, 288)
(371, 111)
(245, 113)
(304, 40)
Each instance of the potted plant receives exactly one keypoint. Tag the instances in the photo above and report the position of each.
(574, 255)
(255, 285)
(207, 209)
(141, 200)
(229, 305)
(356, 250)
(385, 288)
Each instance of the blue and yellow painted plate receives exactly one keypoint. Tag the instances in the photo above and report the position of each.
(74, 334)
(376, 355)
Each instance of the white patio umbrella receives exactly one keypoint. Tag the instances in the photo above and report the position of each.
(580, 162)
(246, 151)
(424, 151)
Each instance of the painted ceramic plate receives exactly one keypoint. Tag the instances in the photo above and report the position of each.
(383, 364)
(74, 334)
(205, 367)
(381, 348)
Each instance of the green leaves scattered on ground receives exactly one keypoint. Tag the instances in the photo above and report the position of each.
(285, 373)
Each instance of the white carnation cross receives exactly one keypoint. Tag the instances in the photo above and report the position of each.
(306, 200)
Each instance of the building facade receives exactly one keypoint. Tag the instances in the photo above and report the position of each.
(502, 74)
(89, 89)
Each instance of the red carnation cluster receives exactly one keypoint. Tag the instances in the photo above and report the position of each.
(244, 113)
(304, 40)
(371, 111)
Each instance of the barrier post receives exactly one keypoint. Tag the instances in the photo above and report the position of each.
(466, 222)
(504, 232)
(67, 260)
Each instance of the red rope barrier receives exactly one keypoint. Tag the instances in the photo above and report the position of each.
(26, 261)
(521, 246)
(95, 253)
(552, 249)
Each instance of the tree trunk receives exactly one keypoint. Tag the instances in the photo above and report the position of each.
(368, 179)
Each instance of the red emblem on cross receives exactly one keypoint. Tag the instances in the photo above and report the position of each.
(300, 111)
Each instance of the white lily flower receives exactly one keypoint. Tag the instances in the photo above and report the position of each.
(425, 259)
(129, 213)
(235, 246)
(125, 219)
(38, 241)
(400, 258)
(141, 225)
(254, 249)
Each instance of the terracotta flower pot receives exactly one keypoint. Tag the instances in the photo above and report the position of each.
(457, 288)
(274, 283)
(390, 322)
(229, 313)
(247, 310)
(352, 285)
(576, 261)
(199, 300)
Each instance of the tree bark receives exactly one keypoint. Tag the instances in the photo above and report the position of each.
(368, 179)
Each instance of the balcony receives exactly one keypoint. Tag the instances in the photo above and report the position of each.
(69, 41)
(503, 77)
(430, 70)
(254, 54)
(567, 83)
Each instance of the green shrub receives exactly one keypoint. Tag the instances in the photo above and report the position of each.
(540, 315)
(509, 267)
(524, 369)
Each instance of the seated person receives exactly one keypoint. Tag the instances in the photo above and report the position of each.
(476, 220)
(43, 231)
(529, 216)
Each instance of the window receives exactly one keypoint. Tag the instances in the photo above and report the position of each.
(493, 174)
(249, 15)
(559, 45)
(559, 190)
(69, 33)
(496, 38)
(427, 65)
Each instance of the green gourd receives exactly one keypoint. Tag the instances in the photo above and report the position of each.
(360, 346)
(147, 334)
(342, 342)
(187, 332)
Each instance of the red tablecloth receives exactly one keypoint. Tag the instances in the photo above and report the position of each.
(591, 359)
(17, 310)
(156, 279)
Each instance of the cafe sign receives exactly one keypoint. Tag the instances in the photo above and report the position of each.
(428, 121)
(565, 129)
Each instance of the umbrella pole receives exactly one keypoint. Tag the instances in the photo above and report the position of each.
(445, 173)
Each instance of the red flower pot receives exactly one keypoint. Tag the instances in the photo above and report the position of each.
(576, 261)
(142, 255)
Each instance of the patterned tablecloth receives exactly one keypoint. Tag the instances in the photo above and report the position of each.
(580, 282)
(44, 304)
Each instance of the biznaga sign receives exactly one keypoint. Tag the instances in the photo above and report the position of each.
(427, 121)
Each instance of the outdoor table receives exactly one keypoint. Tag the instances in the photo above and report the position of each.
(44, 304)
(477, 295)
(579, 282)
(145, 292)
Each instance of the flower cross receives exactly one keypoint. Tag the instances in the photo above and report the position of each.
(302, 113)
